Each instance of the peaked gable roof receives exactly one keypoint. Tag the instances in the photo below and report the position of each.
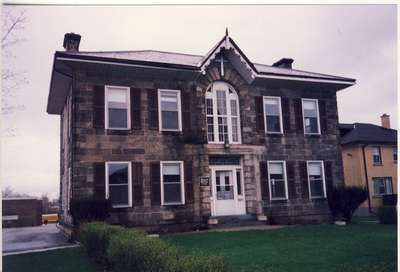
(366, 134)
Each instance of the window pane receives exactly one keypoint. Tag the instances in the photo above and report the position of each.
(310, 108)
(234, 108)
(276, 168)
(117, 96)
(209, 106)
(170, 120)
(273, 124)
(239, 182)
(235, 137)
(210, 129)
(311, 125)
(221, 102)
(277, 188)
(271, 106)
(388, 185)
(119, 194)
(317, 187)
(117, 118)
(171, 169)
(118, 173)
(314, 169)
(222, 129)
(172, 193)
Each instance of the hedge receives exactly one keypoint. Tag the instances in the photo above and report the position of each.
(387, 214)
(123, 249)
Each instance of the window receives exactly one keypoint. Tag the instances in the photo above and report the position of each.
(395, 154)
(239, 182)
(382, 186)
(310, 116)
(273, 114)
(277, 180)
(69, 189)
(223, 118)
(172, 187)
(376, 155)
(117, 107)
(118, 184)
(316, 180)
(170, 110)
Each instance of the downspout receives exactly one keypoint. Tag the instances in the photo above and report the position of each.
(366, 177)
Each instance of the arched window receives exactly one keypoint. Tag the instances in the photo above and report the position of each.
(223, 118)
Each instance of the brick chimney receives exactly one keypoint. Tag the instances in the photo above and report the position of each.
(284, 63)
(385, 120)
(71, 42)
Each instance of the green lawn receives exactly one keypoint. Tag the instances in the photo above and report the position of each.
(356, 247)
(62, 260)
(359, 247)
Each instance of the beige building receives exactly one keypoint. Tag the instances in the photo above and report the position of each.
(369, 154)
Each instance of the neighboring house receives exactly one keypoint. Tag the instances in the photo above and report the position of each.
(174, 138)
(21, 211)
(369, 153)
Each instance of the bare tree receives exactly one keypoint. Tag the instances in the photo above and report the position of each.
(12, 78)
(9, 192)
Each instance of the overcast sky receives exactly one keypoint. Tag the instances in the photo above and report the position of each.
(351, 41)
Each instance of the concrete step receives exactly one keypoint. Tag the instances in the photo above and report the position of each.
(234, 221)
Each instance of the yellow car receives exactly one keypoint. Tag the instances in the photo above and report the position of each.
(49, 218)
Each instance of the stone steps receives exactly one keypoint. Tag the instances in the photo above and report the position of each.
(235, 221)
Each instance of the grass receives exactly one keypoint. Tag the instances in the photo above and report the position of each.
(62, 260)
(356, 247)
(362, 246)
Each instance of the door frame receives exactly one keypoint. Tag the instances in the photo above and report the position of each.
(239, 200)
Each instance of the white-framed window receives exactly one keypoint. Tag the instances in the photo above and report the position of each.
(316, 179)
(223, 114)
(277, 180)
(376, 155)
(117, 107)
(310, 116)
(273, 114)
(169, 104)
(119, 183)
(395, 154)
(172, 184)
(382, 186)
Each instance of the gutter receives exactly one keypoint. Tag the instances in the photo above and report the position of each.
(366, 177)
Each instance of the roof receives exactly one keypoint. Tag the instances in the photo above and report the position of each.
(191, 61)
(364, 133)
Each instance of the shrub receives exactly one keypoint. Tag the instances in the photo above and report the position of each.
(387, 214)
(96, 237)
(132, 250)
(88, 210)
(343, 201)
(389, 200)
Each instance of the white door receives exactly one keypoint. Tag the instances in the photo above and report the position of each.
(227, 191)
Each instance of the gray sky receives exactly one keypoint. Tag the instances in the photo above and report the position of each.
(352, 41)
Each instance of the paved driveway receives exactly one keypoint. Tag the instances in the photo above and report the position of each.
(29, 238)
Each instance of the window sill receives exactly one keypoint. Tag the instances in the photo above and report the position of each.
(378, 164)
(175, 204)
(121, 206)
(318, 198)
(279, 200)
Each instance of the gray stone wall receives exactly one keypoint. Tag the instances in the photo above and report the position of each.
(91, 145)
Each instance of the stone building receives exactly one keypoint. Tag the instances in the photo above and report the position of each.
(177, 139)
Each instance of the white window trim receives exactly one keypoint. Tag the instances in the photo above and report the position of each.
(285, 178)
(280, 114)
(128, 111)
(178, 92)
(318, 122)
(129, 183)
(323, 180)
(69, 189)
(182, 183)
(213, 95)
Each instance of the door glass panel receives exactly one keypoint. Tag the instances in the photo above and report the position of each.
(225, 189)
